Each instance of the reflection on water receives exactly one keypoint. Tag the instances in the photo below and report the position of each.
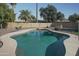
(77, 53)
(56, 49)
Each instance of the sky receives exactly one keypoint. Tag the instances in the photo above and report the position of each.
(66, 8)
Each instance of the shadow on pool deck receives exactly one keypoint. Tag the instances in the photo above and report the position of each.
(77, 54)
(56, 49)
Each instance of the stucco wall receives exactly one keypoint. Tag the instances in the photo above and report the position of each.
(28, 25)
(66, 24)
(42, 25)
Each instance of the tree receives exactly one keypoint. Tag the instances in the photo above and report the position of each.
(26, 15)
(13, 5)
(48, 13)
(77, 18)
(33, 19)
(9, 16)
(3, 9)
(73, 17)
(6, 13)
(60, 16)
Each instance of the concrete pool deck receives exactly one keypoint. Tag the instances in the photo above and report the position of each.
(9, 44)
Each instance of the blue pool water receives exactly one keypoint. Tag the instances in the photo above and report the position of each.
(40, 43)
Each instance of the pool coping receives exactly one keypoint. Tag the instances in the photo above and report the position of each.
(9, 44)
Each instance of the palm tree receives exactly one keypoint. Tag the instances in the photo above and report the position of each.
(25, 15)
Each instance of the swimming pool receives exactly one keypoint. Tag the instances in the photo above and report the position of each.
(40, 43)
